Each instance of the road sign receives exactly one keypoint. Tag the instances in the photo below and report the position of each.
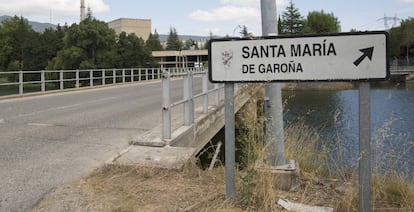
(319, 57)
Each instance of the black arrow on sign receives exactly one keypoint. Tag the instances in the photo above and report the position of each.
(367, 53)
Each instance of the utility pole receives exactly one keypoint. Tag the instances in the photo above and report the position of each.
(387, 19)
(274, 107)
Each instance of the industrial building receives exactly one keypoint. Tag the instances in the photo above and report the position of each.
(166, 59)
(141, 27)
(181, 59)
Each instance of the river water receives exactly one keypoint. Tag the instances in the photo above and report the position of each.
(335, 115)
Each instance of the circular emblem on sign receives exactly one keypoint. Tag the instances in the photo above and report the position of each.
(227, 57)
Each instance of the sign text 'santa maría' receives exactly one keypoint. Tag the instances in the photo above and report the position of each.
(296, 50)
(277, 51)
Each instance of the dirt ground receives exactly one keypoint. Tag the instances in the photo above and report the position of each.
(118, 188)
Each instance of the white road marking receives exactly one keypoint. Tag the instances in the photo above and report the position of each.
(61, 107)
(40, 125)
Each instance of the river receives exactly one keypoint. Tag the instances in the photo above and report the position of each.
(335, 115)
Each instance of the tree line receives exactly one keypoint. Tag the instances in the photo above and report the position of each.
(90, 44)
(292, 22)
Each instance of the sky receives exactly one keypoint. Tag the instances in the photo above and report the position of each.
(200, 17)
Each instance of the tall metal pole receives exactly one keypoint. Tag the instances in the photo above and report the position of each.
(364, 147)
(274, 107)
(230, 140)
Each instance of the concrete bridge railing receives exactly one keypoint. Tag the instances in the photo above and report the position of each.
(47, 80)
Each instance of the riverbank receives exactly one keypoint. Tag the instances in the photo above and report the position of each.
(126, 188)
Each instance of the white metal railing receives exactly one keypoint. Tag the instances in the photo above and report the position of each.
(188, 97)
(63, 79)
(406, 69)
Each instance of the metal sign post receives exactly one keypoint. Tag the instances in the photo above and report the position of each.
(230, 140)
(364, 147)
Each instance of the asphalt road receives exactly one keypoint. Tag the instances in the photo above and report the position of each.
(48, 141)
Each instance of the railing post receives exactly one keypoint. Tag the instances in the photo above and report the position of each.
(61, 80)
(217, 94)
(42, 80)
(103, 77)
(188, 97)
(113, 76)
(77, 78)
(205, 92)
(139, 74)
(91, 78)
(132, 75)
(166, 106)
(153, 74)
(21, 83)
(123, 75)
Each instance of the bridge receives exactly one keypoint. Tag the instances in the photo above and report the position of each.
(402, 72)
(49, 140)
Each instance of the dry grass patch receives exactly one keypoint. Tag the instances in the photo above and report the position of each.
(125, 188)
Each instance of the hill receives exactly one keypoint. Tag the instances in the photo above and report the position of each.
(37, 26)
(164, 38)
(40, 27)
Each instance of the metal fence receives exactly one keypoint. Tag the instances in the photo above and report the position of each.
(402, 68)
(45, 80)
(402, 62)
(188, 97)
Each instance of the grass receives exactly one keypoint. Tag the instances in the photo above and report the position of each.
(323, 165)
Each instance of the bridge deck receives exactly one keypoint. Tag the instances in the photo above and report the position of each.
(187, 141)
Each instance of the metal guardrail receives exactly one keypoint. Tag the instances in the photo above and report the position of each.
(78, 78)
(188, 99)
(402, 69)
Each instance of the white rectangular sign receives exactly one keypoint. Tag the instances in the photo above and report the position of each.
(327, 57)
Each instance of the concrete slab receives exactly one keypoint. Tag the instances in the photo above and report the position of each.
(162, 157)
(284, 177)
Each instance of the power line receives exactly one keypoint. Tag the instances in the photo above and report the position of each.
(387, 19)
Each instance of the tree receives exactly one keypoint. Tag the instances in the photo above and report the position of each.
(292, 21)
(402, 39)
(153, 42)
(17, 42)
(131, 52)
(244, 32)
(173, 41)
(50, 42)
(320, 22)
(86, 45)
(190, 44)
